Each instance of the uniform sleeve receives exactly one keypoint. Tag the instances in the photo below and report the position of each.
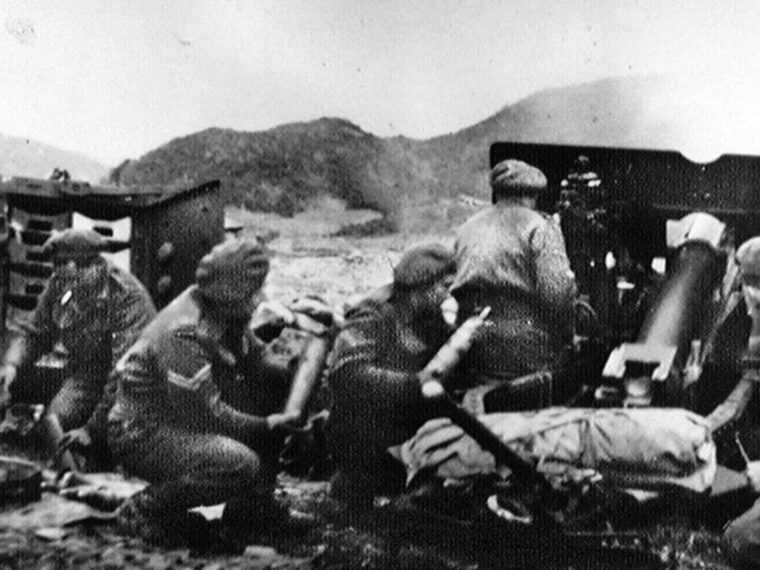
(195, 396)
(554, 280)
(98, 422)
(36, 335)
(359, 341)
(356, 367)
(134, 312)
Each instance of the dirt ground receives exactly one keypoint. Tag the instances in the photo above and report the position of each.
(307, 261)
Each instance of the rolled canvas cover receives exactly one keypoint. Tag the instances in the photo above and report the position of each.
(642, 448)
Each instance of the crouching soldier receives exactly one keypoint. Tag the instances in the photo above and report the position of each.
(387, 338)
(96, 311)
(176, 422)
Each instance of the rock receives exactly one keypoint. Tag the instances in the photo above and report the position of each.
(257, 551)
(50, 533)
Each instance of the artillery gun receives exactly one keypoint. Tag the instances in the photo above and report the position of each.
(651, 238)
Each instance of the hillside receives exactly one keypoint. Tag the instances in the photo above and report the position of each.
(24, 157)
(414, 182)
(276, 170)
(637, 112)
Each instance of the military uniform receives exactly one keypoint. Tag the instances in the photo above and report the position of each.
(96, 312)
(192, 402)
(172, 423)
(743, 533)
(372, 378)
(512, 258)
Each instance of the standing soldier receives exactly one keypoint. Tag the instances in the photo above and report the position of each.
(96, 311)
(512, 258)
(195, 414)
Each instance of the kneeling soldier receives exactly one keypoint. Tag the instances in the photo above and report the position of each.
(387, 339)
(176, 422)
(96, 311)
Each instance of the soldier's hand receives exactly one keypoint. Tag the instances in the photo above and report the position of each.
(285, 422)
(753, 475)
(450, 311)
(270, 318)
(79, 438)
(315, 308)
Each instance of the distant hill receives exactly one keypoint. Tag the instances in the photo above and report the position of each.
(415, 182)
(276, 170)
(24, 157)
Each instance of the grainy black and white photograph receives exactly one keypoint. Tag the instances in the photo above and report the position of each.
(336, 284)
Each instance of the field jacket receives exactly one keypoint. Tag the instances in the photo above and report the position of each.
(95, 324)
(372, 376)
(186, 371)
(513, 259)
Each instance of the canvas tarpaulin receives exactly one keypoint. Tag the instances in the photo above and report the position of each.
(643, 448)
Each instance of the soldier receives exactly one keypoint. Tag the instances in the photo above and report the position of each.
(743, 533)
(512, 258)
(194, 412)
(96, 311)
(387, 338)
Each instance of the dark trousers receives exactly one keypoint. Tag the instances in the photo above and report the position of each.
(367, 417)
(359, 449)
(189, 469)
(743, 535)
(76, 400)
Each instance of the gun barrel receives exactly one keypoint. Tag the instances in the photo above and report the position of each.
(678, 308)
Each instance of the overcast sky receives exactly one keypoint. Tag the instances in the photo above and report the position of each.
(114, 79)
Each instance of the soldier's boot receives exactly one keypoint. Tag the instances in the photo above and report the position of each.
(351, 491)
(251, 519)
(357, 488)
(140, 517)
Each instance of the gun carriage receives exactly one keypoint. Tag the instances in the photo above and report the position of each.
(651, 237)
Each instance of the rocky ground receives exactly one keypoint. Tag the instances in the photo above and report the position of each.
(307, 261)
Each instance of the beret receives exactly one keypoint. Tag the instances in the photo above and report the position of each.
(75, 244)
(232, 271)
(516, 178)
(423, 264)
